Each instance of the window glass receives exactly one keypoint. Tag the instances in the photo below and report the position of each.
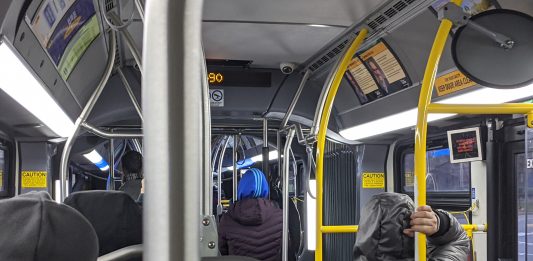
(2, 170)
(442, 176)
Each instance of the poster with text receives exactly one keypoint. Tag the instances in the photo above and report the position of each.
(363, 83)
(376, 72)
(47, 17)
(74, 19)
(385, 68)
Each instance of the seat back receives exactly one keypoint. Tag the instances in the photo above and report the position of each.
(33, 227)
(115, 216)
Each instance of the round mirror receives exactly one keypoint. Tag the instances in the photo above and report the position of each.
(495, 49)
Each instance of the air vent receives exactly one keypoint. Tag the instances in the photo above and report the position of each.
(109, 4)
(373, 25)
(380, 19)
(400, 6)
(390, 12)
(376, 23)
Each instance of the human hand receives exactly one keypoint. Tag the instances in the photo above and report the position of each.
(142, 186)
(424, 220)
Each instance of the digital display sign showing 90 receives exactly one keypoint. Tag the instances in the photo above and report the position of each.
(239, 78)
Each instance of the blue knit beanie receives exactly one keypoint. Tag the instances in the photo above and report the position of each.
(253, 184)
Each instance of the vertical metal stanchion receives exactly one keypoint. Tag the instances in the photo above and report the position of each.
(173, 129)
(112, 162)
(285, 174)
(235, 183)
(219, 180)
(265, 149)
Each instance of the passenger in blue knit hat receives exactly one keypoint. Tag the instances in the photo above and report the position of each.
(253, 225)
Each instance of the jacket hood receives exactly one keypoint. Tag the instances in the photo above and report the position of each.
(36, 228)
(380, 235)
(252, 211)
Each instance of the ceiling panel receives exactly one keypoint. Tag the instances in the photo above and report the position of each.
(266, 44)
(332, 12)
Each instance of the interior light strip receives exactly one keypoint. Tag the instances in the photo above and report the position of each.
(407, 118)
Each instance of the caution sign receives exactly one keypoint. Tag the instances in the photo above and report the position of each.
(34, 179)
(452, 82)
(373, 180)
(216, 97)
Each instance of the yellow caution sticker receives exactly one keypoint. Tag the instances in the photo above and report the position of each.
(452, 82)
(373, 180)
(1, 180)
(34, 179)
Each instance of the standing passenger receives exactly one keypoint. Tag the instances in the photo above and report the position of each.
(132, 168)
(252, 226)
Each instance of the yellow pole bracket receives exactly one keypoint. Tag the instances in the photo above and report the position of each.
(321, 137)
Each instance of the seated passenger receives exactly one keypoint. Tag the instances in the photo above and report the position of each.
(388, 223)
(115, 216)
(132, 168)
(252, 226)
(33, 227)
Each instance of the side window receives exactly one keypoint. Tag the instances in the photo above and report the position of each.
(441, 175)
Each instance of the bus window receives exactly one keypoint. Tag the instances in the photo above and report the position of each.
(441, 175)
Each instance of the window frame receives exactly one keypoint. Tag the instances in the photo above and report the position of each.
(8, 162)
(451, 201)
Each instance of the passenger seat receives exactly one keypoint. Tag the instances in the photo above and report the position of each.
(33, 227)
(115, 216)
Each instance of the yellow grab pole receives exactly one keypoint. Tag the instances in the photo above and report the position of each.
(421, 126)
(339, 229)
(321, 138)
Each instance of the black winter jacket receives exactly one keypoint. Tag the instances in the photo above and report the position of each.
(253, 228)
(381, 237)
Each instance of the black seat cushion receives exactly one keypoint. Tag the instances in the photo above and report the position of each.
(33, 227)
(115, 216)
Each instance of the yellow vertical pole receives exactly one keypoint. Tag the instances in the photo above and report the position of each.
(321, 138)
(421, 127)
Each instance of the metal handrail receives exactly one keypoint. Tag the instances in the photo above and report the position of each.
(295, 99)
(110, 135)
(286, 161)
(125, 253)
(322, 131)
(421, 127)
(63, 169)
(129, 41)
(133, 99)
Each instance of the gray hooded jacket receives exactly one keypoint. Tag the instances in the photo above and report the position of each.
(381, 237)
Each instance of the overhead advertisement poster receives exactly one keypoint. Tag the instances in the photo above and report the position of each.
(376, 72)
(65, 29)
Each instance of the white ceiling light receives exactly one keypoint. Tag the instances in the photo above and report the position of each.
(97, 160)
(20, 83)
(408, 118)
(319, 25)
(259, 158)
(271, 156)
